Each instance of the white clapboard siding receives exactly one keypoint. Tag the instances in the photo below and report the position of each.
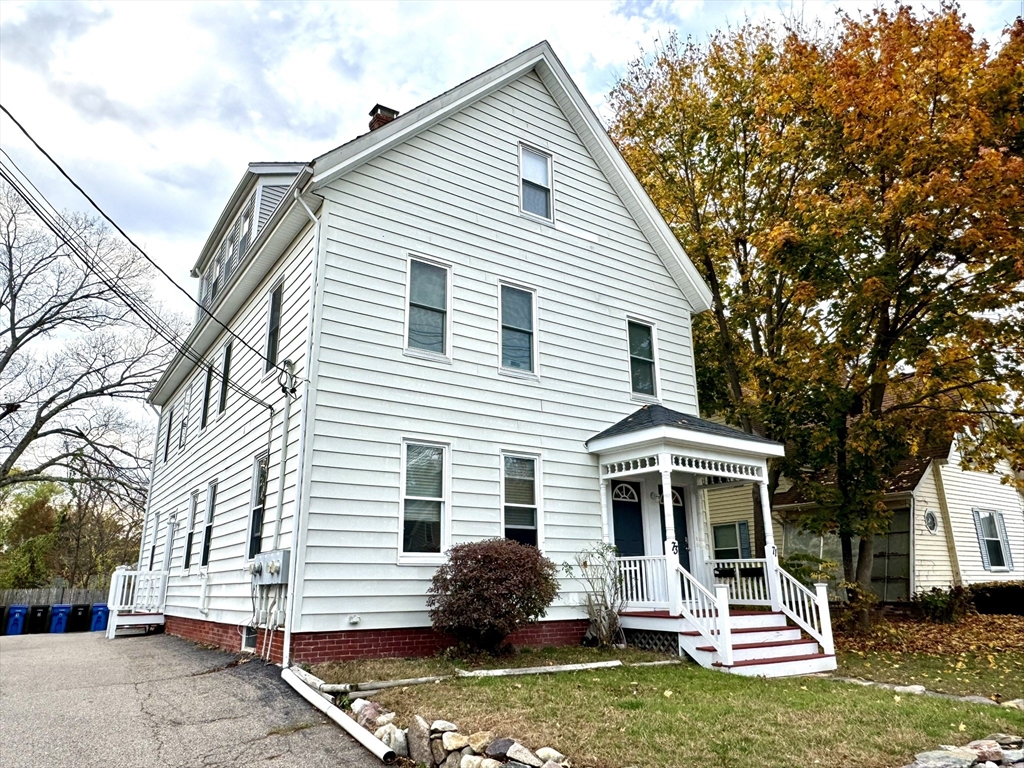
(966, 491)
(930, 554)
(452, 194)
(225, 450)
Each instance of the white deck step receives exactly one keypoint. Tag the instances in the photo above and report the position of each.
(786, 666)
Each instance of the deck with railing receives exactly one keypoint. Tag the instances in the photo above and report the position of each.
(136, 599)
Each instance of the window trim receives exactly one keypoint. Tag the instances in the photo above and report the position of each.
(152, 542)
(207, 543)
(204, 416)
(263, 455)
(538, 490)
(640, 396)
(534, 374)
(426, 558)
(193, 505)
(1001, 536)
(426, 354)
(225, 379)
(269, 365)
(551, 183)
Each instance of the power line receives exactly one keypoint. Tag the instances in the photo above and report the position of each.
(52, 219)
(124, 234)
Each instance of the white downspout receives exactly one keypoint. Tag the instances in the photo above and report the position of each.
(293, 561)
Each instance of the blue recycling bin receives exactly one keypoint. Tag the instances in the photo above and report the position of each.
(59, 618)
(100, 612)
(16, 619)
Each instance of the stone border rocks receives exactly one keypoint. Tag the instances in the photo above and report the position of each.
(995, 750)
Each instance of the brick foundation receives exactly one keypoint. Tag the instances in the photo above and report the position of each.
(316, 647)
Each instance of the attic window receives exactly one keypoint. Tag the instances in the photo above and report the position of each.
(992, 538)
(535, 182)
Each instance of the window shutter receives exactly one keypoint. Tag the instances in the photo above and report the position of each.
(744, 540)
(981, 541)
(1004, 539)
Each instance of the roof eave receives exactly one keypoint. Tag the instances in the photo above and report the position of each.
(676, 435)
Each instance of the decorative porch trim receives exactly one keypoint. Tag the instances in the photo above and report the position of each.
(629, 467)
(710, 468)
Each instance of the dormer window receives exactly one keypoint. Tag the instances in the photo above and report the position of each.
(535, 182)
(245, 235)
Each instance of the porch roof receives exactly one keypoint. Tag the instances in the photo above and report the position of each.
(656, 422)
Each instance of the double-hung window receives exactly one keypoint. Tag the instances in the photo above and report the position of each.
(273, 328)
(727, 541)
(424, 499)
(260, 469)
(643, 370)
(167, 436)
(517, 330)
(428, 313)
(993, 540)
(211, 503)
(204, 415)
(225, 378)
(152, 542)
(193, 505)
(519, 498)
(535, 182)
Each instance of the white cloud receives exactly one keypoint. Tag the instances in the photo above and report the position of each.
(157, 107)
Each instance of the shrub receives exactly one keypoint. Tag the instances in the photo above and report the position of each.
(943, 606)
(489, 589)
(999, 597)
(809, 569)
(603, 597)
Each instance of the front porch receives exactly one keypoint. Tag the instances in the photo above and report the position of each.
(737, 613)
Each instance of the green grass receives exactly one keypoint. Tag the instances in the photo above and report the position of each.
(684, 715)
(402, 669)
(998, 675)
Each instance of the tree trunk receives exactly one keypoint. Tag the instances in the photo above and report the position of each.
(865, 564)
(846, 540)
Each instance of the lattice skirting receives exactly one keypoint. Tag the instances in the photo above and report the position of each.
(649, 640)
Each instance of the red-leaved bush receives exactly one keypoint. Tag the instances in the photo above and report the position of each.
(489, 589)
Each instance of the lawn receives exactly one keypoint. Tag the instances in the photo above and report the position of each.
(685, 715)
(981, 656)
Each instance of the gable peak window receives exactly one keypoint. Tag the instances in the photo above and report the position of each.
(273, 328)
(535, 182)
(517, 331)
(519, 491)
(642, 362)
(428, 307)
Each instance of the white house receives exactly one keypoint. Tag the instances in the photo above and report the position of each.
(949, 526)
(482, 326)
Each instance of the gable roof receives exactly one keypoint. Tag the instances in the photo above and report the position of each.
(655, 415)
(542, 60)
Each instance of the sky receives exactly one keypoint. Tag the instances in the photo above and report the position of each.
(156, 108)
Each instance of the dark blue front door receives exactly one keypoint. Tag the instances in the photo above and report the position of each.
(679, 518)
(627, 518)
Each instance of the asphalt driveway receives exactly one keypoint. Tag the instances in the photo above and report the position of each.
(81, 700)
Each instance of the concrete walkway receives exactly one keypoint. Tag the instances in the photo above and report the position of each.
(81, 700)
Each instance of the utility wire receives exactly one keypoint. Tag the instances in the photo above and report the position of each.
(145, 255)
(52, 219)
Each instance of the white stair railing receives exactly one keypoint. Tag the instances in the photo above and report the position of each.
(747, 580)
(809, 610)
(134, 592)
(708, 612)
(644, 581)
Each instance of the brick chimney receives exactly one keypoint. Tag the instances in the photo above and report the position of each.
(381, 115)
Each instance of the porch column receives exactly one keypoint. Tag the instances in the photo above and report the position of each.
(771, 552)
(675, 596)
(604, 511)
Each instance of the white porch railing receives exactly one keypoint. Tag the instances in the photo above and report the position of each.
(747, 580)
(708, 612)
(808, 609)
(644, 581)
(135, 592)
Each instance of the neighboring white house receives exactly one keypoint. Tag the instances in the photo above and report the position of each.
(949, 526)
(483, 327)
